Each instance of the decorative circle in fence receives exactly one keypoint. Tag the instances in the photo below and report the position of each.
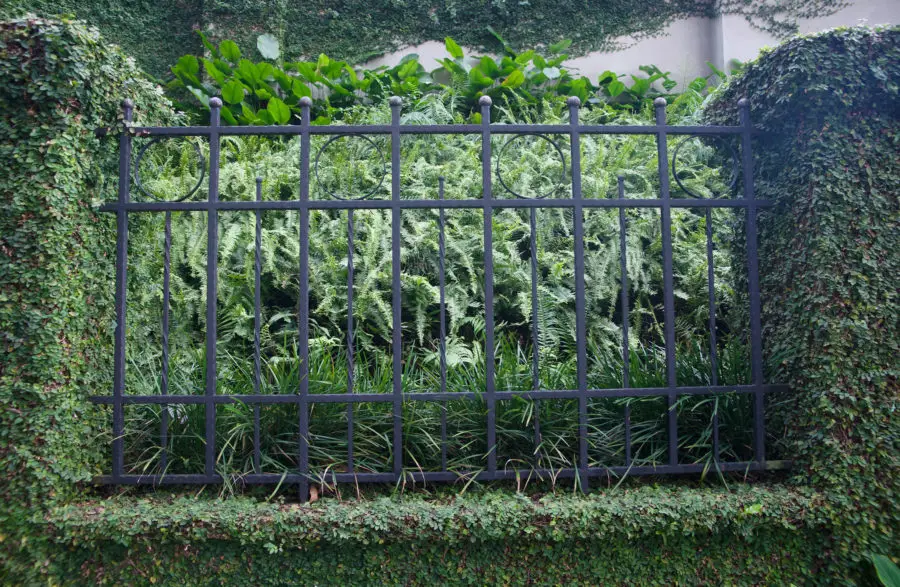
(559, 183)
(149, 193)
(371, 146)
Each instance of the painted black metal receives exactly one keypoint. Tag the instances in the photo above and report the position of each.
(487, 203)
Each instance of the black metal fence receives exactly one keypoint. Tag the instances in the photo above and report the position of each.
(747, 201)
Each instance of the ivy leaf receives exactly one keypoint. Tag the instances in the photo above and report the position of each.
(268, 46)
(552, 72)
(233, 92)
(280, 112)
(615, 88)
(452, 48)
(230, 51)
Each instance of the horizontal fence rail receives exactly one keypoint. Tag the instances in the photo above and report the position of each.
(487, 203)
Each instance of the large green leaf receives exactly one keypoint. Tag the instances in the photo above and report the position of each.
(268, 46)
(233, 92)
(888, 573)
(230, 51)
(453, 49)
(188, 64)
(514, 80)
(280, 112)
(561, 46)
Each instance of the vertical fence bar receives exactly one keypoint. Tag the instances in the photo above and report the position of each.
(164, 379)
(580, 310)
(713, 345)
(118, 447)
(756, 359)
(396, 104)
(535, 338)
(303, 312)
(442, 278)
(485, 103)
(623, 301)
(351, 363)
(257, 319)
(212, 280)
(668, 286)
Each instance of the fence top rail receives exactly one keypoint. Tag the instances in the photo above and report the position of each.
(448, 129)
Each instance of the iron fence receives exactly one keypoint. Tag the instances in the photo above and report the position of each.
(487, 203)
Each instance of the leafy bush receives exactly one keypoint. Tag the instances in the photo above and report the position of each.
(827, 155)
(268, 92)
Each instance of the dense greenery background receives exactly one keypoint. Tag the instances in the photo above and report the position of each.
(158, 32)
(830, 273)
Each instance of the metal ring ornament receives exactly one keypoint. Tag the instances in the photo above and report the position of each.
(734, 164)
(140, 185)
(562, 158)
(374, 146)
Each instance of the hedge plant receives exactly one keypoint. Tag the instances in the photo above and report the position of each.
(58, 82)
(827, 155)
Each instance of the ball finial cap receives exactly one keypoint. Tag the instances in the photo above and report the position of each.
(660, 102)
(485, 101)
(215, 102)
(306, 101)
(396, 101)
(743, 103)
(127, 103)
(573, 101)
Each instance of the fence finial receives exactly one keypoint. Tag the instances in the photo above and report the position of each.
(305, 102)
(660, 102)
(485, 101)
(573, 101)
(396, 101)
(215, 102)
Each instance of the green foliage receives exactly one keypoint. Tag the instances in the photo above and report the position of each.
(157, 33)
(831, 315)
(686, 535)
(827, 105)
(530, 167)
(524, 81)
(59, 82)
(887, 571)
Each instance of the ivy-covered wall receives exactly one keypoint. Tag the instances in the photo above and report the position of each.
(158, 32)
(58, 82)
(827, 106)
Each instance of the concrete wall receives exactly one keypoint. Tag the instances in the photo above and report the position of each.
(688, 44)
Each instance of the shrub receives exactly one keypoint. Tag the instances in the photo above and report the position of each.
(827, 106)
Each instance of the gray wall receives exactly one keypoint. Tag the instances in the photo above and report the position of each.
(688, 44)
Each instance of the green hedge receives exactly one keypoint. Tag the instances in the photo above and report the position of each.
(58, 82)
(830, 269)
(828, 156)
(673, 535)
